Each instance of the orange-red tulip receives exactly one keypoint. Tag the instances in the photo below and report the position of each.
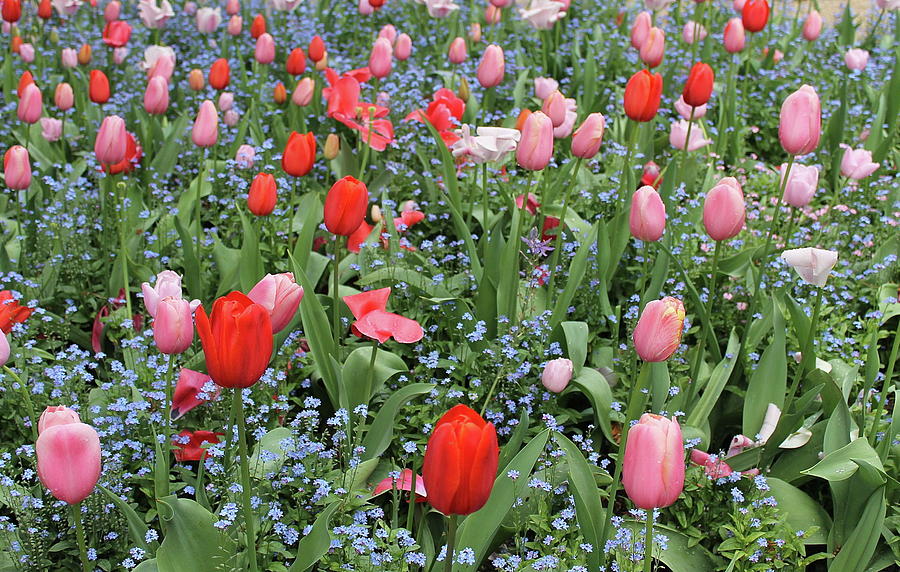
(345, 206)
(299, 154)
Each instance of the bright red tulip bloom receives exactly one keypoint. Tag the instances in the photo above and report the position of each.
(658, 331)
(374, 322)
(699, 85)
(17, 169)
(642, 94)
(345, 206)
(653, 465)
(296, 62)
(299, 154)
(68, 460)
(190, 444)
(189, 392)
(45, 10)
(11, 312)
(12, 11)
(236, 339)
(99, 87)
(219, 74)
(402, 483)
(263, 195)
(258, 27)
(25, 80)
(116, 33)
(316, 49)
(461, 462)
(755, 15)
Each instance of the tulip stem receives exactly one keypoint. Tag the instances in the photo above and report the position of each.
(335, 310)
(198, 227)
(123, 247)
(167, 414)
(484, 207)
(246, 507)
(28, 402)
(648, 541)
(710, 297)
(411, 513)
(807, 360)
(79, 535)
(370, 376)
(451, 543)
(557, 243)
(626, 166)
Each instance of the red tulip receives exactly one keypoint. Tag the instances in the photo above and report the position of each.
(45, 10)
(219, 74)
(345, 206)
(189, 392)
(755, 15)
(373, 322)
(296, 62)
(258, 27)
(190, 444)
(263, 195)
(12, 11)
(642, 95)
(116, 33)
(461, 462)
(99, 87)
(25, 80)
(316, 49)
(11, 312)
(699, 85)
(236, 339)
(299, 154)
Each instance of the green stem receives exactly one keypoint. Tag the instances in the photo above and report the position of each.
(167, 413)
(884, 447)
(197, 227)
(410, 515)
(808, 360)
(75, 509)
(451, 543)
(484, 206)
(367, 150)
(336, 314)
(711, 292)
(626, 165)
(370, 376)
(246, 508)
(648, 542)
(28, 403)
(123, 248)
(557, 243)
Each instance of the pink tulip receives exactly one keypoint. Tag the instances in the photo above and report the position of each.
(245, 157)
(159, 61)
(653, 48)
(475, 32)
(230, 118)
(642, 24)
(68, 461)
(17, 168)
(232, 7)
(189, 392)
(110, 144)
(857, 164)
(565, 128)
(684, 110)
(531, 204)
(206, 126)
(802, 184)
(653, 465)
(389, 32)
(493, 14)
(208, 19)
(812, 264)
(856, 59)
(492, 67)
(555, 108)
(119, 55)
(57, 415)
(31, 104)
(155, 13)
(692, 29)
(380, 58)
(735, 38)
(63, 97)
(457, 52)
(365, 8)
(724, 210)
(235, 25)
(589, 136)
(403, 47)
(801, 122)
(69, 58)
(280, 295)
(658, 331)
(536, 144)
(738, 5)
(303, 93)
(173, 328)
(403, 483)
(112, 11)
(647, 220)
(156, 97)
(678, 136)
(168, 285)
(557, 374)
(51, 129)
(715, 467)
(544, 86)
(812, 27)
(4, 349)
(265, 49)
(26, 52)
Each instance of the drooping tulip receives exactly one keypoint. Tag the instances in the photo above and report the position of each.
(68, 460)
(110, 144)
(262, 196)
(812, 264)
(800, 123)
(678, 136)
(461, 462)
(236, 339)
(492, 67)
(280, 295)
(345, 206)
(205, 132)
(642, 95)
(373, 321)
(17, 169)
(535, 146)
(653, 464)
(647, 219)
(299, 154)
(658, 331)
(190, 445)
(402, 483)
(724, 210)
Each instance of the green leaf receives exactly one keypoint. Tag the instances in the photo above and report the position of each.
(716, 384)
(508, 282)
(192, 542)
(768, 382)
(145, 566)
(679, 555)
(593, 385)
(191, 264)
(841, 464)
(477, 531)
(359, 384)
(310, 210)
(573, 337)
(588, 508)
(315, 545)
(381, 432)
(577, 270)
(251, 261)
(418, 280)
(167, 156)
(860, 545)
(263, 464)
(137, 529)
(801, 512)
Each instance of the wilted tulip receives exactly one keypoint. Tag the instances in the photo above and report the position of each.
(812, 264)
(678, 136)
(189, 392)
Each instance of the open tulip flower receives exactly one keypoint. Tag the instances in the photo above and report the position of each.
(373, 321)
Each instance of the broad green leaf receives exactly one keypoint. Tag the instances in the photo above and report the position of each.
(577, 270)
(381, 432)
(800, 511)
(191, 263)
(768, 382)
(251, 261)
(394, 275)
(588, 508)
(679, 555)
(593, 385)
(310, 213)
(359, 384)
(270, 452)
(860, 545)
(716, 384)
(315, 545)
(192, 542)
(841, 464)
(574, 339)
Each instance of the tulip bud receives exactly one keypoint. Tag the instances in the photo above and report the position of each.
(812, 264)
(205, 132)
(557, 374)
(647, 219)
(536, 144)
(69, 58)
(68, 460)
(812, 27)
(296, 62)
(17, 168)
(263, 195)
(699, 85)
(653, 48)
(156, 97)
(316, 49)
(99, 87)
(280, 295)
(332, 146)
(802, 183)
(304, 91)
(642, 94)
(801, 122)
(220, 73)
(658, 331)
(31, 105)
(55, 415)
(84, 54)
(110, 144)
(345, 206)
(464, 91)
(734, 36)
(380, 58)
(403, 47)
(653, 464)
(492, 67)
(195, 79)
(279, 94)
(724, 210)
(755, 15)
(245, 156)
(640, 29)
(589, 136)
(457, 52)
(265, 49)
(226, 101)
